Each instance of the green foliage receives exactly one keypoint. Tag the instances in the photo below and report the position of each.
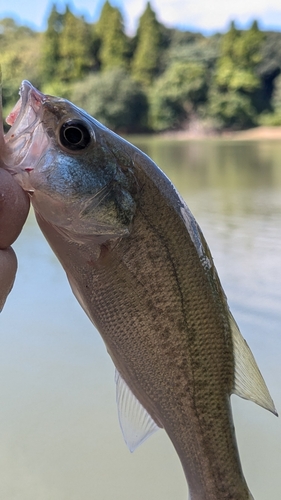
(57, 88)
(276, 99)
(231, 110)
(51, 45)
(177, 76)
(74, 49)
(193, 47)
(270, 64)
(114, 44)
(270, 119)
(104, 21)
(67, 47)
(20, 55)
(145, 63)
(273, 118)
(236, 82)
(240, 55)
(177, 94)
(113, 98)
(270, 67)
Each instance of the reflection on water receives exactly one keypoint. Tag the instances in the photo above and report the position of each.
(59, 431)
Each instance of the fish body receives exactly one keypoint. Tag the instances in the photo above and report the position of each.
(139, 266)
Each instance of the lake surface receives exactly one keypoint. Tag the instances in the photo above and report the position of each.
(59, 432)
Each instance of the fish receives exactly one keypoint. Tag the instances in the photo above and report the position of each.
(139, 266)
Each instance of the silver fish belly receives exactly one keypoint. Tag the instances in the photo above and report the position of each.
(139, 266)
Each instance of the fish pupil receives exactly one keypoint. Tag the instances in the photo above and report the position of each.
(74, 135)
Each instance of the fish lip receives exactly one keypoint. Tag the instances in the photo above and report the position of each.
(27, 90)
(27, 93)
(24, 119)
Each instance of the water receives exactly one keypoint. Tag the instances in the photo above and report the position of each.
(59, 432)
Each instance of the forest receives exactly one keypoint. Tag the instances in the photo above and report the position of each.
(159, 79)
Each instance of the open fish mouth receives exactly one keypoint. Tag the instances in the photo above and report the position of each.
(25, 112)
(25, 139)
(11, 118)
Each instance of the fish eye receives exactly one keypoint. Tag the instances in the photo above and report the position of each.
(74, 135)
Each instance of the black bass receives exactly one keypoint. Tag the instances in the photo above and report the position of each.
(139, 266)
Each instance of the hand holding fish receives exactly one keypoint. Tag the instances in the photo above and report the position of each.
(14, 206)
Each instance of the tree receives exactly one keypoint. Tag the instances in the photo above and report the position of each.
(67, 46)
(113, 41)
(113, 98)
(51, 45)
(276, 100)
(75, 58)
(231, 110)
(270, 67)
(240, 55)
(236, 82)
(104, 21)
(270, 64)
(273, 117)
(20, 56)
(193, 47)
(146, 60)
(177, 94)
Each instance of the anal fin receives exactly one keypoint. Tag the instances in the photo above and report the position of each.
(136, 424)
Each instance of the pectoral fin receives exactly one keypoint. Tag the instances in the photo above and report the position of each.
(248, 382)
(136, 424)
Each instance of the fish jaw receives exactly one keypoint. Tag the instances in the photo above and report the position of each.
(26, 141)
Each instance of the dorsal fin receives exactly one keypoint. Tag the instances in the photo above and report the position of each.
(248, 381)
(136, 424)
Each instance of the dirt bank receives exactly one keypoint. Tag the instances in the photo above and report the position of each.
(257, 133)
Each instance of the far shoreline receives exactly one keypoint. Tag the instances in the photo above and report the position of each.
(252, 134)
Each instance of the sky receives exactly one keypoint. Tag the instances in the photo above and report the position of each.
(196, 15)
